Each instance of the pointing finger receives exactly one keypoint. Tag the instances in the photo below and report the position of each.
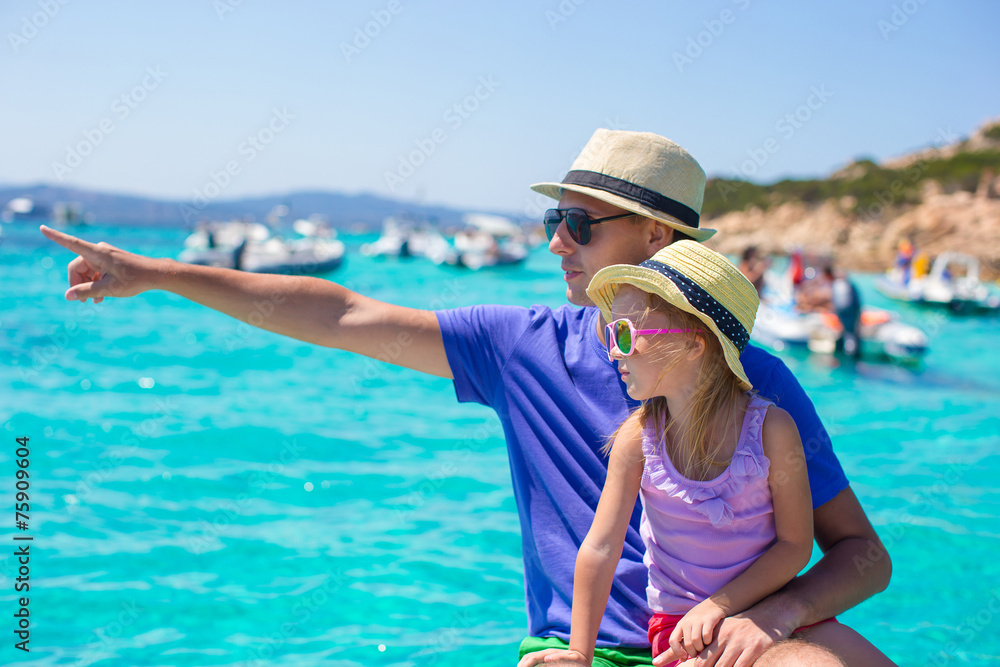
(79, 246)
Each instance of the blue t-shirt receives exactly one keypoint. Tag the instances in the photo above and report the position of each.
(559, 398)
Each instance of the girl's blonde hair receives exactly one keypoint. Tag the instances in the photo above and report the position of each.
(715, 391)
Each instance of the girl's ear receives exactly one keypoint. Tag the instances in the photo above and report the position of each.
(697, 348)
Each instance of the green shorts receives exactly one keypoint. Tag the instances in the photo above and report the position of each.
(603, 657)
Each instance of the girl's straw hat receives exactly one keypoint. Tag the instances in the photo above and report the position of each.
(639, 172)
(697, 280)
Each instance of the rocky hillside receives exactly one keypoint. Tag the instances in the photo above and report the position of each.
(943, 198)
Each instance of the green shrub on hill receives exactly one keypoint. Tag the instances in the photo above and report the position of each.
(872, 187)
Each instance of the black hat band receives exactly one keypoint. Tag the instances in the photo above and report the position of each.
(633, 192)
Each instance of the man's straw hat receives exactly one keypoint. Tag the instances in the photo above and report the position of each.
(639, 172)
(697, 280)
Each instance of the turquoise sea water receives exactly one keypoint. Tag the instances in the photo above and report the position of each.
(203, 493)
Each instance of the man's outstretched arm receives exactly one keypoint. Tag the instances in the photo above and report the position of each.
(308, 309)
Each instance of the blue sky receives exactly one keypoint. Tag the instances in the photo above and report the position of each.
(466, 104)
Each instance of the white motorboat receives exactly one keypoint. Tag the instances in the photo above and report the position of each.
(883, 335)
(492, 240)
(953, 282)
(402, 239)
(215, 244)
(251, 247)
(23, 209)
(296, 257)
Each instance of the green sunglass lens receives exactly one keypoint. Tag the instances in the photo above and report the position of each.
(623, 334)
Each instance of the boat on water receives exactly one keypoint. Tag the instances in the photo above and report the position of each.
(883, 336)
(215, 243)
(24, 209)
(953, 283)
(251, 246)
(490, 240)
(404, 239)
(487, 240)
(59, 214)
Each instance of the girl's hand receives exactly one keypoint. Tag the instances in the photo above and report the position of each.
(694, 632)
(554, 655)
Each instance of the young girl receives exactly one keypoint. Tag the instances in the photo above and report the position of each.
(727, 515)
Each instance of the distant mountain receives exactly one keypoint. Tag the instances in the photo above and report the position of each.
(341, 210)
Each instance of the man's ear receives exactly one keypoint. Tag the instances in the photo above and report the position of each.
(659, 237)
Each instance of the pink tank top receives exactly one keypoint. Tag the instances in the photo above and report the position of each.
(699, 536)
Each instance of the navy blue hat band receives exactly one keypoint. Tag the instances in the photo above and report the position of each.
(704, 303)
(633, 192)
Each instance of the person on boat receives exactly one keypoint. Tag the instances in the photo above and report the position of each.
(845, 303)
(754, 266)
(904, 259)
(239, 252)
(796, 268)
(726, 517)
(921, 265)
(628, 195)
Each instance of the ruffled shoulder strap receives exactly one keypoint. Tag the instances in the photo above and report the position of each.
(652, 450)
(753, 426)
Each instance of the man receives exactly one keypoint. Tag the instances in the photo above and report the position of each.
(753, 266)
(558, 397)
(845, 300)
(838, 295)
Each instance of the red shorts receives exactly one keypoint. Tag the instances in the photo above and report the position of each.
(661, 625)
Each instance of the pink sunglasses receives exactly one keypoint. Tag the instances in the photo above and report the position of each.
(620, 335)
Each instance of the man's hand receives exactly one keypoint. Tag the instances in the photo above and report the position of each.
(554, 656)
(102, 270)
(738, 642)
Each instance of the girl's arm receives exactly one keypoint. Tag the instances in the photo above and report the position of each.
(602, 548)
(778, 565)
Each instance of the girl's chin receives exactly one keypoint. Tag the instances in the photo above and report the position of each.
(635, 394)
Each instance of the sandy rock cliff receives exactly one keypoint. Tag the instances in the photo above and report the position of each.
(956, 220)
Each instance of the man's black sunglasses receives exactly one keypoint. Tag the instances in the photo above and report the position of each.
(577, 222)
